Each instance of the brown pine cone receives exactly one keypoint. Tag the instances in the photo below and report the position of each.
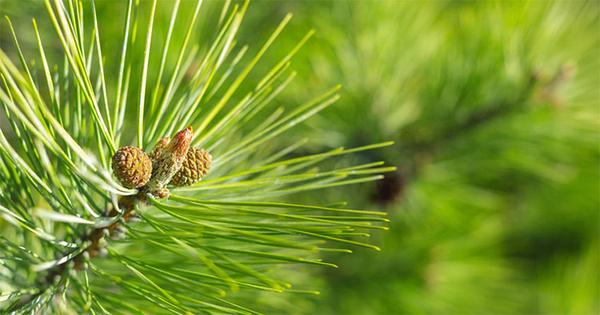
(132, 167)
(195, 166)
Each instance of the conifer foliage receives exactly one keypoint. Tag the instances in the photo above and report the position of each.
(91, 220)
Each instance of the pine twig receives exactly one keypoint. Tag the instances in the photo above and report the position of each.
(95, 237)
(394, 184)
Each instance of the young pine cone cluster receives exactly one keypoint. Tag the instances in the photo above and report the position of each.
(172, 161)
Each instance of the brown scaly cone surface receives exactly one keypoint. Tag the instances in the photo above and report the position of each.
(194, 168)
(132, 167)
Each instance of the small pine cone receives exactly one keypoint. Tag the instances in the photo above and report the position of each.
(132, 167)
(195, 166)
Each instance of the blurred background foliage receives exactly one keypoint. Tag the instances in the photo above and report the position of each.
(494, 107)
(495, 110)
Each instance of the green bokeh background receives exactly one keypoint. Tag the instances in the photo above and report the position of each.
(494, 107)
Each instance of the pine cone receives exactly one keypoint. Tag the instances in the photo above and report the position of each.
(132, 167)
(195, 166)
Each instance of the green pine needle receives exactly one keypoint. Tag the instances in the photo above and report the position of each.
(210, 247)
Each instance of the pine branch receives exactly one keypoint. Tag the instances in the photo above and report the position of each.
(229, 234)
(488, 114)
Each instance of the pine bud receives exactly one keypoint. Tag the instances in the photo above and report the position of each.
(168, 161)
(132, 167)
(195, 166)
(162, 143)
